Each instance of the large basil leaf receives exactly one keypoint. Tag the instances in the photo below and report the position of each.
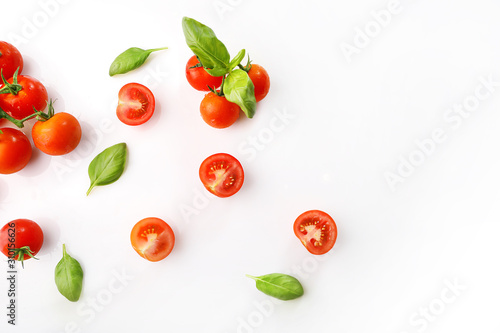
(210, 50)
(239, 89)
(108, 166)
(69, 277)
(280, 286)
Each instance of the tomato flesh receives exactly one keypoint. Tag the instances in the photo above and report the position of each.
(59, 135)
(316, 230)
(222, 175)
(152, 238)
(27, 233)
(136, 104)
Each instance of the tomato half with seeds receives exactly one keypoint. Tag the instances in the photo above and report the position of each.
(316, 230)
(10, 60)
(136, 104)
(21, 239)
(199, 78)
(152, 238)
(222, 175)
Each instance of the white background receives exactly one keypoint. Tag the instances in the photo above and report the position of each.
(350, 121)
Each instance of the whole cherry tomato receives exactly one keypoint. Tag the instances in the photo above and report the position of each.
(15, 150)
(57, 135)
(21, 239)
(199, 78)
(10, 60)
(218, 112)
(260, 80)
(21, 95)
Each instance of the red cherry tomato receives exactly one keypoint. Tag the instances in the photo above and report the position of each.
(21, 238)
(136, 104)
(316, 230)
(10, 60)
(260, 80)
(218, 112)
(58, 135)
(152, 238)
(32, 95)
(199, 78)
(15, 150)
(222, 175)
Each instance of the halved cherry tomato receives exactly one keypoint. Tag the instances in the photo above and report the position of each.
(136, 104)
(21, 238)
(218, 112)
(31, 94)
(260, 80)
(222, 175)
(152, 238)
(199, 78)
(15, 150)
(10, 60)
(58, 135)
(316, 230)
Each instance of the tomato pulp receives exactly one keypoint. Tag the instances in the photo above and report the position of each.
(316, 230)
(152, 238)
(222, 175)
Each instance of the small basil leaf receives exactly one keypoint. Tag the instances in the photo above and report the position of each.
(130, 59)
(108, 166)
(236, 60)
(203, 42)
(239, 89)
(69, 277)
(280, 286)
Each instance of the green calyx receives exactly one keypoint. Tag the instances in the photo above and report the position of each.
(19, 253)
(11, 88)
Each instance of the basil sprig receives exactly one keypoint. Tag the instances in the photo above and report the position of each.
(69, 277)
(280, 286)
(130, 59)
(108, 166)
(215, 58)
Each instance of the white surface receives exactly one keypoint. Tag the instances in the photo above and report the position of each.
(351, 123)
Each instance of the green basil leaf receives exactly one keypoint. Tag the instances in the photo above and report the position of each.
(69, 277)
(130, 59)
(236, 60)
(280, 286)
(108, 166)
(239, 89)
(210, 50)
